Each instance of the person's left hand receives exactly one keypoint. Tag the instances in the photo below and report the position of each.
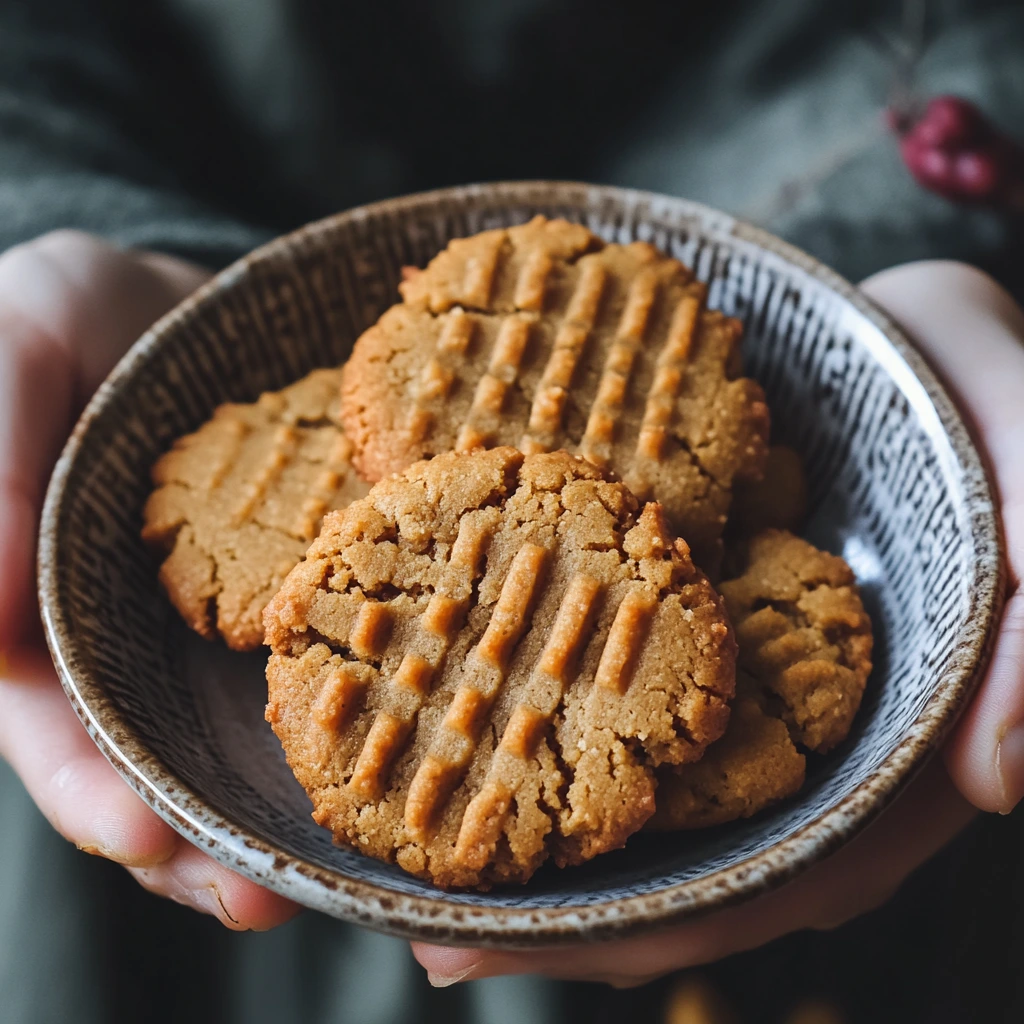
(974, 334)
(70, 305)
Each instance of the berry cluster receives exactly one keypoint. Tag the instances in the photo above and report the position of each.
(954, 150)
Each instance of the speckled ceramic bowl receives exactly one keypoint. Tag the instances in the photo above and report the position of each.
(897, 489)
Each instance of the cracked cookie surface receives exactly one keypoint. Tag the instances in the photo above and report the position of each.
(478, 666)
(804, 658)
(753, 765)
(238, 502)
(544, 337)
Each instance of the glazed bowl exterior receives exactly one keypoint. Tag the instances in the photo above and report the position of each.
(896, 487)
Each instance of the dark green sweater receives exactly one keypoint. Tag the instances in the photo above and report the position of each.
(202, 127)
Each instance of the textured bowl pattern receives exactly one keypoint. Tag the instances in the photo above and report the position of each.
(897, 489)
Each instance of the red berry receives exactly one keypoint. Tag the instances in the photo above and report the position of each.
(950, 123)
(935, 165)
(930, 167)
(953, 150)
(977, 174)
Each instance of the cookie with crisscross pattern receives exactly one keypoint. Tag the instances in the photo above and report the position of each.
(544, 337)
(805, 646)
(479, 665)
(238, 502)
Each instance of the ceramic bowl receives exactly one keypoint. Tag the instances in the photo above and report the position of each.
(896, 488)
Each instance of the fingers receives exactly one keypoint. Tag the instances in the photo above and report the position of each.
(85, 799)
(36, 377)
(974, 334)
(858, 878)
(66, 775)
(195, 880)
(985, 754)
(89, 297)
(18, 517)
(36, 400)
(69, 307)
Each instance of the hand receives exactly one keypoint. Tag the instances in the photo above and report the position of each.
(974, 335)
(70, 305)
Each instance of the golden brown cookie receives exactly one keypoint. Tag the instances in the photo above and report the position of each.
(478, 666)
(544, 337)
(803, 635)
(752, 766)
(804, 655)
(238, 502)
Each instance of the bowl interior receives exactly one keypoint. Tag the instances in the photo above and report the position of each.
(890, 492)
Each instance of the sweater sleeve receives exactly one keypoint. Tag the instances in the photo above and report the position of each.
(71, 150)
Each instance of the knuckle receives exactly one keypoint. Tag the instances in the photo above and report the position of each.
(71, 236)
(64, 238)
(65, 243)
(64, 247)
(950, 272)
(14, 260)
(48, 254)
(21, 265)
(964, 271)
(970, 280)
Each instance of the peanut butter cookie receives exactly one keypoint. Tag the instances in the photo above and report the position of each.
(479, 665)
(805, 655)
(238, 502)
(544, 337)
(803, 635)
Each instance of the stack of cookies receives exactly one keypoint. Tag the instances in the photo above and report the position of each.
(483, 553)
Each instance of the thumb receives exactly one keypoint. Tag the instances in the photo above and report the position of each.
(70, 305)
(973, 333)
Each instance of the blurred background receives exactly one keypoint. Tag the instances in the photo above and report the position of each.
(204, 127)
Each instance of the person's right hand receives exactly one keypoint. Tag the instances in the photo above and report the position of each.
(974, 334)
(70, 305)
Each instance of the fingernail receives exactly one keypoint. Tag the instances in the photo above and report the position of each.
(98, 850)
(202, 899)
(1010, 766)
(207, 899)
(444, 980)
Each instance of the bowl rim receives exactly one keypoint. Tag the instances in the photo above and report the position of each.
(433, 917)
